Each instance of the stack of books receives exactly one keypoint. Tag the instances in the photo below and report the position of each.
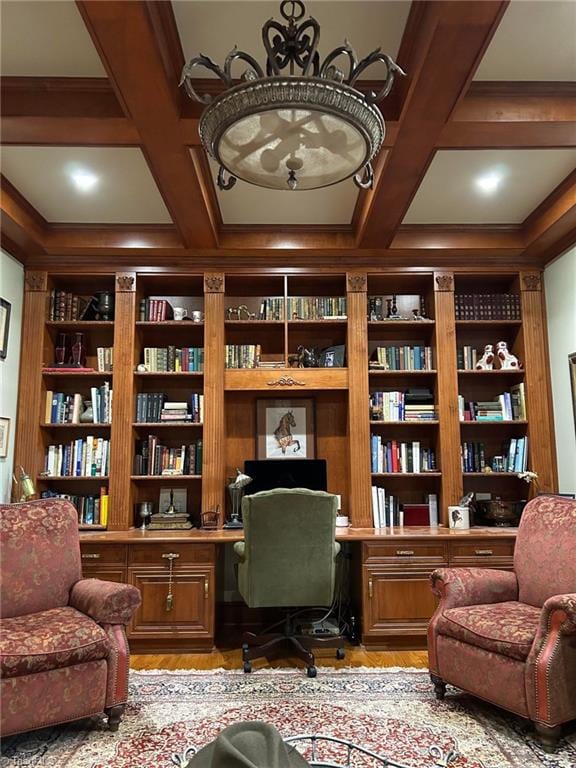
(155, 310)
(242, 356)
(154, 458)
(86, 457)
(317, 308)
(487, 306)
(174, 359)
(404, 358)
(394, 456)
(105, 359)
(499, 409)
(92, 510)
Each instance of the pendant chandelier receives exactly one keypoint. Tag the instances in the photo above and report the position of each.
(307, 129)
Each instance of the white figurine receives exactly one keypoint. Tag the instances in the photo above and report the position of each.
(507, 359)
(486, 361)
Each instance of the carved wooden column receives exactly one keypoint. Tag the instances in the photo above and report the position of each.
(121, 442)
(29, 447)
(360, 502)
(447, 393)
(214, 433)
(541, 442)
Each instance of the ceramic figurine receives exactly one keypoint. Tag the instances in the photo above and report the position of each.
(507, 359)
(486, 362)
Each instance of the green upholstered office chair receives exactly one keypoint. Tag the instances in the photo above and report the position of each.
(288, 560)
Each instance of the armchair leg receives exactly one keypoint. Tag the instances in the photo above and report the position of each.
(548, 736)
(439, 686)
(114, 716)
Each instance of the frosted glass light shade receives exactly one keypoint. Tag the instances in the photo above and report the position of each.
(320, 130)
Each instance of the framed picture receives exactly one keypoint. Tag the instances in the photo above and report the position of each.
(4, 436)
(4, 327)
(572, 364)
(173, 501)
(332, 357)
(285, 429)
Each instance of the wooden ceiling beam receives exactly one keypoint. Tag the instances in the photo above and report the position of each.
(20, 224)
(69, 131)
(551, 228)
(124, 35)
(441, 49)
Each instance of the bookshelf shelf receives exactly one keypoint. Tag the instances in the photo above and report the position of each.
(253, 323)
(83, 426)
(495, 422)
(83, 527)
(164, 478)
(315, 324)
(514, 372)
(488, 323)
(425, 325)
(165, 424)
(77, 374)
(81, 478)
(412, 423)
(406, 474)
(492, 474)
(169, 324)
(169, 374)
(377, 372)
(80, 324)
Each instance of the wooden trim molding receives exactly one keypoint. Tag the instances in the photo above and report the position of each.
(36, 281)
(357, 283)
(125, 283)
(531, 281)
(213, 283)
(444, 282)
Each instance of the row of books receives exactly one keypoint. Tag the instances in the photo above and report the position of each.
(514, 457)
(395, 456)
(271, 308)
(64, 305)
(92, 510)
(154, 407)
(153, 458)
(392, 406)
(389, 512)
(404, 358)
(174, 359)
(316, 307)
(242, 355)
(105, 359)
(64, 408)
(85, 457)
(507, 406)
(155, 310)
(487, 306)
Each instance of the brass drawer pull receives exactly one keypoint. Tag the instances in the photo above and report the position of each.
(90, 556)
(206, 589)
(370, 590)
(404, 552)
(483, 552)
(170, 556)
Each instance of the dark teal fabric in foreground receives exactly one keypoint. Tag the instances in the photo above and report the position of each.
(288, 556)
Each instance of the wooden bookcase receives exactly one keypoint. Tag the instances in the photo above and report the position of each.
(341, 395)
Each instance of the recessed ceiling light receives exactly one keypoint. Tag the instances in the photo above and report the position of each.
(83, 179)
(489, 182)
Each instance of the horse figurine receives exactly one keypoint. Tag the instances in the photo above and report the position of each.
(283, 432)
(307, 358)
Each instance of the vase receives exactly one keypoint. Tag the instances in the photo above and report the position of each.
(78, 351)
(87, 415)
(60, 350)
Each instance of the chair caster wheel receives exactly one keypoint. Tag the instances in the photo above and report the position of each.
(340, 653)
(247, 666)
(311, 672)
(245, 646)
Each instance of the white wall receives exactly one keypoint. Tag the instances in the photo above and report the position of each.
(560, 287)
(12, 290)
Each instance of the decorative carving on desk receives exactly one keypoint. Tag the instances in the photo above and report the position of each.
(356, 283)
(445, 282)
(36, 281)
(213, 283)
(532, 282)
(125, 283)
(286, 381)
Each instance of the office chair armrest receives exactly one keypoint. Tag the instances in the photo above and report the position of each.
(337, 548)
(239, 549)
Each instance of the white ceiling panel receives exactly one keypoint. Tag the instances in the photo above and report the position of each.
(46, 39)
(123, 192)
(536, 40)
(450, 192)
(247, 204)
(213, 27)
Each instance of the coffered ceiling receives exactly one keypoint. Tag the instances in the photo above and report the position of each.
(479, 156)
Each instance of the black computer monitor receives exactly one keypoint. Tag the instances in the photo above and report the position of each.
(267, 474)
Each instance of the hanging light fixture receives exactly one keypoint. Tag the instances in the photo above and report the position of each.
(308, 129)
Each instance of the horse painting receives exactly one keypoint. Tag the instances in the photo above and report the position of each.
(283, 433)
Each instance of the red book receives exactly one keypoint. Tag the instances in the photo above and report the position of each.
(416, 514)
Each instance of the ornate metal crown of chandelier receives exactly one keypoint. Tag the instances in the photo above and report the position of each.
(301, 131)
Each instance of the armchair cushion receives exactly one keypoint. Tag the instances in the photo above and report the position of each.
(507, 628)
(105, 601)
(473, 586)
(59, 637)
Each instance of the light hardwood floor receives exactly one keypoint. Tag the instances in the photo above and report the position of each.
(231, 659)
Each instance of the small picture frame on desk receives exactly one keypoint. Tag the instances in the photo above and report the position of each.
(333, 357)
(285, 429)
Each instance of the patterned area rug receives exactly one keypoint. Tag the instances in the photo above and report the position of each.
(390, 711)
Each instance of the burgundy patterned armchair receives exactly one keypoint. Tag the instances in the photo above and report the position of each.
(63, 648)
(510, 638)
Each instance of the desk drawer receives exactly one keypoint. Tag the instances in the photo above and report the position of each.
(156, 553)
(483, 552)
(103, 554)
(407, 552)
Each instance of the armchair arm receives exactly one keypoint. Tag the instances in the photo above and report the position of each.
(559, 610)
(473, 586)
(239, 548)
(105, 601)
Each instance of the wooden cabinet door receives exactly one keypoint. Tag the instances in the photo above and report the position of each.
(395, 603)
(106, 573)
(190, 613)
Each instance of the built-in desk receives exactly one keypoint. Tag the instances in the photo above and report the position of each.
(389, 578)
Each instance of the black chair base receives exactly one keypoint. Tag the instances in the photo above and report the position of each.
(273, 645)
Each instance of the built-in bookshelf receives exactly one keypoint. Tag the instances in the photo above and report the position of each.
(382, 357)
